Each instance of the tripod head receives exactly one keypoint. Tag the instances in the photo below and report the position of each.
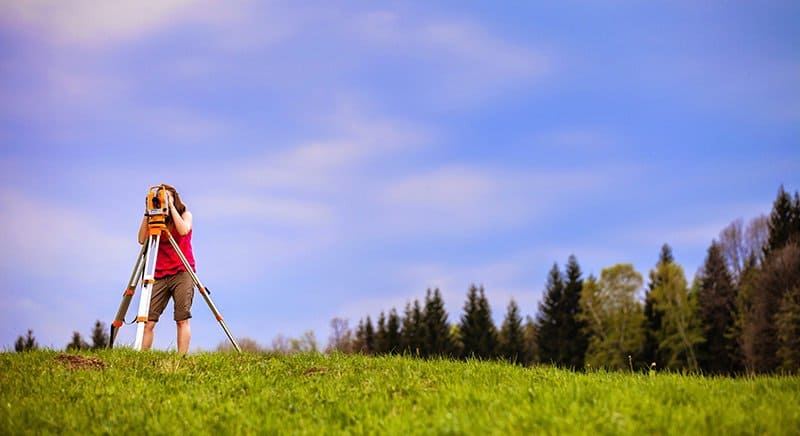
(157, 206)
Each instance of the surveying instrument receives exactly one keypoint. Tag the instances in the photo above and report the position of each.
(145, 267)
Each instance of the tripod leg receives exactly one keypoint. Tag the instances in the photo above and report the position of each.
(203, 292)
(147, 288)
(127, 296)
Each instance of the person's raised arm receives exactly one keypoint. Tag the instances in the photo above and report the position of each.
(183, 223)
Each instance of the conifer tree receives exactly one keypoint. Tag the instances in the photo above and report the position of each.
(77, 343)
(381, 340)
(437, 330)
(369, 336)
(413, 334)
(717, 311)
(99, 336)
(511, 344)
(478, 333)
(393, 333)
(548, 321)
(360, 342)
(653, 316)
(26, 343)
(782, 222)
(575, 340)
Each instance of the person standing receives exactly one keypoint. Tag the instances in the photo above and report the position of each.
(171, 278)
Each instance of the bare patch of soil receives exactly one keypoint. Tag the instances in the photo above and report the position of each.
(73, 361)
(315, 370)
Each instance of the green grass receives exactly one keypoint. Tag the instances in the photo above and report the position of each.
(143, 393)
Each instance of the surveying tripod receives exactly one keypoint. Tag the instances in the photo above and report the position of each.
(145, 267)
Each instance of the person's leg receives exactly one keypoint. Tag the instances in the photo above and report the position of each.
(158, 301)
(147, 338)
(183, 296)
(184, 335)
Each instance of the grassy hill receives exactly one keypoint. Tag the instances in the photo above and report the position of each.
(125, 392)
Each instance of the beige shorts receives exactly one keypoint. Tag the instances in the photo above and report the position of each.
(180, 287)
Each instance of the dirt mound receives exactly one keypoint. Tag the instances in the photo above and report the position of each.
(315, 370)
(73, 361)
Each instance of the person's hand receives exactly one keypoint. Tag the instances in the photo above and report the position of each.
(170, 200)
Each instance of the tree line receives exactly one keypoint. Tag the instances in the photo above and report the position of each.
(741, 313)
(99, 338)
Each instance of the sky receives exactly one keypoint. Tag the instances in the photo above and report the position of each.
(340, 158)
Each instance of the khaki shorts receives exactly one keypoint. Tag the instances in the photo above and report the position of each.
(180, 287)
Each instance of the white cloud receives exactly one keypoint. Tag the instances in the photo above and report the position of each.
(338, 160)
(264, 209)
(93, 23)
(47, 240)
(457, 199)
(472, 62)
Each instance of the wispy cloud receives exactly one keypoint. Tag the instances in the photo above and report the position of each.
(90, 23)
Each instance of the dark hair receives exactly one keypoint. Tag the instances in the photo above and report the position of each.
(176, 198)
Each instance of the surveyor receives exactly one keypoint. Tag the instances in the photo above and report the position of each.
(171, 278)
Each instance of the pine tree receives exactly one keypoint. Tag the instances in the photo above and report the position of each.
(360, 342)
(717, 310)
(782, 222)
(548, 325)
(77, 343)
(437, 330)
(381, 340)
(26, 343)
(393, 333)
(478, 333)
(369, 336)
(99, 336)
(653, 316)
(512, 337)
(412, 337)
(573, 347)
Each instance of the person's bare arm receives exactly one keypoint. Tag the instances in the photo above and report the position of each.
(183, 223)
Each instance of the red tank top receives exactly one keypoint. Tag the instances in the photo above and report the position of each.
(168, 262)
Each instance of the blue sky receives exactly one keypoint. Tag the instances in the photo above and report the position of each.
(341, 158)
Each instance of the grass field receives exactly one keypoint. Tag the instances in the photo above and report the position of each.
(125, 392)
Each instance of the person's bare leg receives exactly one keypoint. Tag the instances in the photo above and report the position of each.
(184, 334)
(147, 338)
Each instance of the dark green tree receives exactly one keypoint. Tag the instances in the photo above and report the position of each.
(782, 222)
(573, 348)
(393, 332)
(653, 316)
(77, 343)
(550, 317)
(99, 336)
(511, 344)
(717, 311)
(437, 329)
(381, 339)
(26, 343)
(369, 336)
(412, 337)
(771, 324)
(478, 333)
(360, 341)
